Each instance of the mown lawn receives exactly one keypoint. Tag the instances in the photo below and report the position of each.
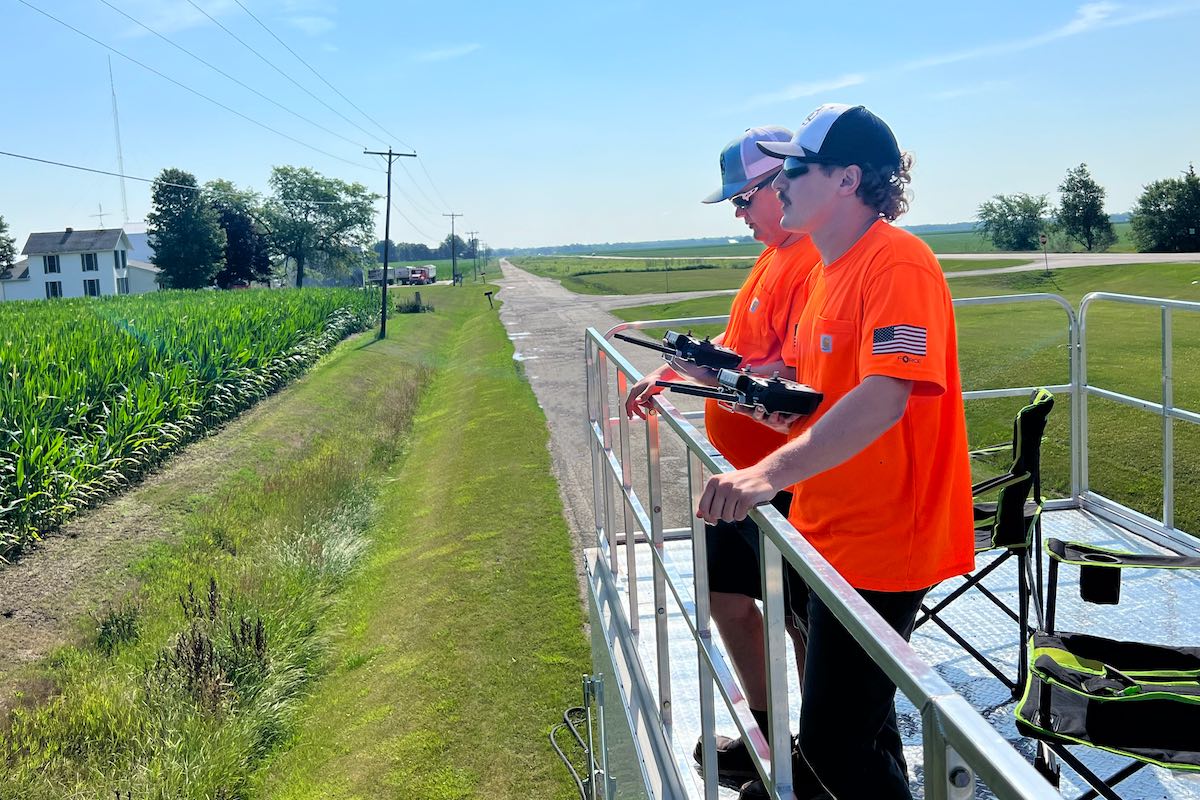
(462, 638)
(1026, 345)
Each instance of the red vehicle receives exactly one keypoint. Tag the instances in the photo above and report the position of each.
(420, 276)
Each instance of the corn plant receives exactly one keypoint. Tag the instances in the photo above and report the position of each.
(96, 391)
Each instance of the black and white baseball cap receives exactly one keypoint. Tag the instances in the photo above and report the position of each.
(840, 134)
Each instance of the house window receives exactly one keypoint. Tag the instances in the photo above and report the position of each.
(50, 266)
(91, 287)
(53, 289)
(122, 285)
(90, 262)
(120, 259)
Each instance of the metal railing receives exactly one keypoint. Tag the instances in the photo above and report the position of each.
(958, 743)
(1160, 530)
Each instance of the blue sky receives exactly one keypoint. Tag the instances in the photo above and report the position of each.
(553, 122)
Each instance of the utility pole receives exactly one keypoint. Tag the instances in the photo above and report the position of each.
(474, 253)
(453, 256)
(387, 234)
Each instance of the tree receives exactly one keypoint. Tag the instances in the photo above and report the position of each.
(184, 232)
(247, 248)
(392, 251)
(1013, 221)
(8, 250)
(443, 249)
(309, 214)
(1081, 211)
(1166, 218)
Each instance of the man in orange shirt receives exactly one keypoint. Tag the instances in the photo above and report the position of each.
(758, 329)
(880, 473)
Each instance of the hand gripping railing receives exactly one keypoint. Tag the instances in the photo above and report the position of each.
(958, 742)
(1162, 530)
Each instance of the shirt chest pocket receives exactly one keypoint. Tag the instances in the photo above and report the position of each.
(833, 357)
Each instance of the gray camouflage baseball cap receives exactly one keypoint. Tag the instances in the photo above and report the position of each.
(743, 164)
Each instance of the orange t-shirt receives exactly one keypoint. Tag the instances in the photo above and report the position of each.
(897, 516)
(758, 328)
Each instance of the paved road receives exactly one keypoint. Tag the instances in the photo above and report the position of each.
(1066, 261)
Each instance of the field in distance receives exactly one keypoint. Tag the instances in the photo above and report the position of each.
(939, 242)
(585, 275)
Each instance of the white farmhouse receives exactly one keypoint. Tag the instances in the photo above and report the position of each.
(75, 263)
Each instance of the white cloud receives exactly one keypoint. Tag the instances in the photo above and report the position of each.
(1088, 17)
(173, 16)
(800, 90)
(312, 25)
(446, 53)
(967, 91)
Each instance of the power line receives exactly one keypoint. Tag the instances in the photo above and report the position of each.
(148, 180)
(187, 88)
(313, 70)
(225, 74)
(375, 122)
(273, 66)
(412, 225)
(429, 178)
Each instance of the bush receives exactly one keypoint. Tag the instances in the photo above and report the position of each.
(1166, 218)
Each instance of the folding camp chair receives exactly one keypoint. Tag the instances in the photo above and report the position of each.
(1010, 524)
(1138, 700)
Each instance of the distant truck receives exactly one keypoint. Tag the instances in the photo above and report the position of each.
(421, 276)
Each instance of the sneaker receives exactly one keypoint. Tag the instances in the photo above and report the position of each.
(735, 765)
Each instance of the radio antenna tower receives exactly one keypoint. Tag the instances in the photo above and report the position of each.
(120, 154)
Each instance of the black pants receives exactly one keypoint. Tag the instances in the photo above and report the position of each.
(734, 558)
(848, 731)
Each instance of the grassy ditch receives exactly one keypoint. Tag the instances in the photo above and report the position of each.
(193, 684)
(462, 637)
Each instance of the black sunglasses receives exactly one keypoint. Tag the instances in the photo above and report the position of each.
(794, 168)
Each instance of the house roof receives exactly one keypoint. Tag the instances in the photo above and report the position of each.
(73, 241)
(146, 265)
(20, 271)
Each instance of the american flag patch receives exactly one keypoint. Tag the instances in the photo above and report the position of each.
(908, 339)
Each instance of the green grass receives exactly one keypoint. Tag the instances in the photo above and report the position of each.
(1002, 346)
(964, 264)
(749, 249)
(560, 267)
(312, 521)
(952, 242)
(463, 637)
(644, 282)
(653, 275)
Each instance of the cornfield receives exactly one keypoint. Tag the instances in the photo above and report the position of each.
(94, 392)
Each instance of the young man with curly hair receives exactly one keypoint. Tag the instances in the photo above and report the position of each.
(879, 473)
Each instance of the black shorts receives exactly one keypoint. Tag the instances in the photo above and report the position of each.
(733, 563)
